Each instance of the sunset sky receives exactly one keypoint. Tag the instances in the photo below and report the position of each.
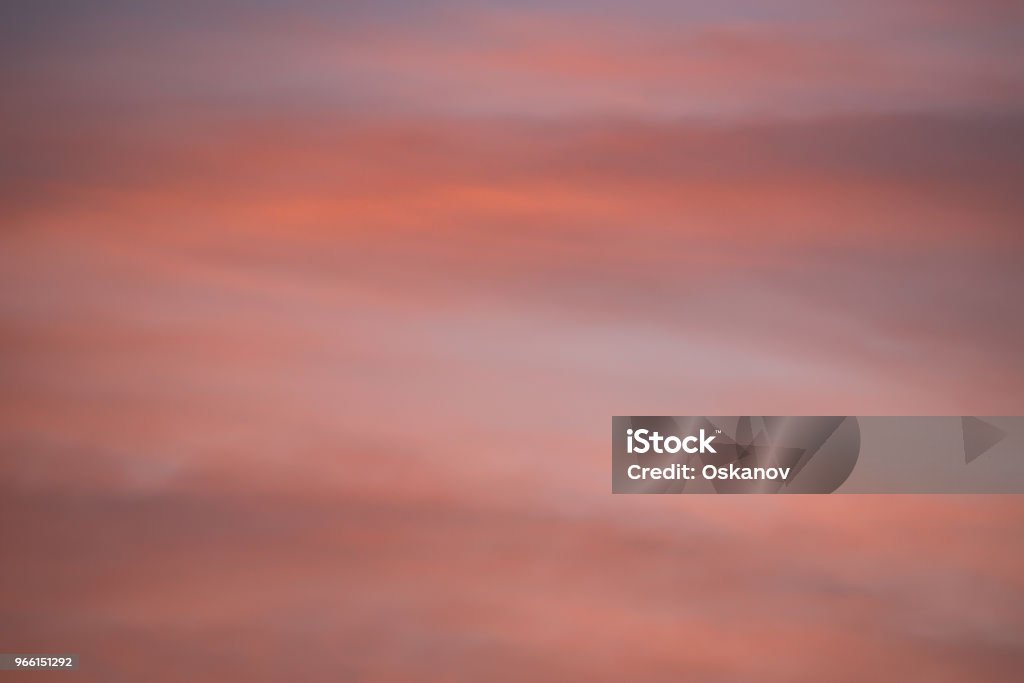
(313, 317)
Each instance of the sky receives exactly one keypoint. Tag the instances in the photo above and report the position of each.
(313, 317)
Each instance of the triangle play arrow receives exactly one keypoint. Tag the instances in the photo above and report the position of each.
(979, 436)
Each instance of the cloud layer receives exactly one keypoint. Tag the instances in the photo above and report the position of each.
(312, 319)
